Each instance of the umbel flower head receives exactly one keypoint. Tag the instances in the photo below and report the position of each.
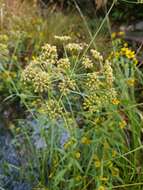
(49, 53)
(74, 48)
(40, 80)
(87, 62)
(63, 64)
(62, 39)
(58, 76)
(66, 85)
(52, 109)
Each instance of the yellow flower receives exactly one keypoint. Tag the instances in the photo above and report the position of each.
(101, 187)
(77, 155)
(69, 143)
(121, 33)
(74, 48)
(63, 64)
(115, 101)
(114, 153)
(117, 54)
(97, 163)
(102, 178)
(85, 140)
(78, 178)
(87, 62)
(106, 145)
(109, 164)
(113, 35)
(66, 145)
(128, 53)
(67, 85)
(135, 61)
(96, 55)
(62, 38)
(115, 172)
(52, 109)
(131, 82)
(125, 45)
(122, 124)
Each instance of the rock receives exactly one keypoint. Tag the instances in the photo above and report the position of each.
(134, 38)
(139, 26)
(21, 186)
(10, 163)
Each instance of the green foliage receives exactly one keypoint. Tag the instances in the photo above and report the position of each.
(123, 11)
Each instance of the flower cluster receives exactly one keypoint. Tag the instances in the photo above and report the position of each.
(66, 85)
(128, 53)
(4, 51)
(96, 55)
(123, 52)
(117, 34)
(108, 73)
(49, 54)
(100, 90)
(52, 109)
(63, 64)
(74, 48)
(50, 75)
(87, 62)
(62, 39)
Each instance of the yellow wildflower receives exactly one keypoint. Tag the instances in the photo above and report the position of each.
(74, 48)
(108, 72)
(117, 54)
(125, 45)
(109, 164)
(49, 52)
(62, 38)
(85, 140)
(96, 55)
(122, 124)
(52, 108)
(97, 164)
(106, 145)
(135, 61)
(131, 82)
(114, 153)
(115, 101)
(63, 64)
(128, 53)
(101, 187)
(113, 35)
(115, 172)
(67, 144)
(87, 62)
(66, 85)
(78, 178)
(121, 33)
(97, 161)
(102, 178)
(77, 155)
